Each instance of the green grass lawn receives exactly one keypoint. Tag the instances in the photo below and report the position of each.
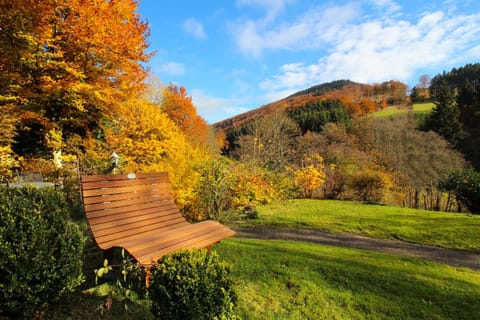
(389, 112)
(419, 109)
(425, 107)
(296, 280)
(448, 230)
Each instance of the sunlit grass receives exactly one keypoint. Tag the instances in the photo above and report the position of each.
(448, 230)
(390, 112)
(418, 109)
(424, 107)
(296, 280)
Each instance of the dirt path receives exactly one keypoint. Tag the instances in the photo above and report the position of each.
(447, 256)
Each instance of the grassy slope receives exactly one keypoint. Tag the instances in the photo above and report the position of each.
(418, 109)
(448, 230)
(295, 280)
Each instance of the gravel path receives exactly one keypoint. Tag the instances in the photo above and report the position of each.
(447, 256)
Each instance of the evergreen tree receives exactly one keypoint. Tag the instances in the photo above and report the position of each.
(445, 117)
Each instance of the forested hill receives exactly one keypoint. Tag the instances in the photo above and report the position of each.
(355, 98)
(324, 88)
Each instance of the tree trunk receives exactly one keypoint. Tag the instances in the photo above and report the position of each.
(416, 199)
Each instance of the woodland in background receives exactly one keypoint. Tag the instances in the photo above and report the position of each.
(413, 161)
(73, 90)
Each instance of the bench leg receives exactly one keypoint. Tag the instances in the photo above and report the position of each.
(147, 277)
(108, 254)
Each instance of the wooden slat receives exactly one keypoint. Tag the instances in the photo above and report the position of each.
(170, 235)
(145, 235)
(172, 211)
(130, 221)
(120, 183)
(129, 201)
(121, 231)
(113, 211)
(203, 240)
(112, 177)
(117, 240)
(121, 196)
(162, 188)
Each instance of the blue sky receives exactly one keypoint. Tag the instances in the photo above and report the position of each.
(237, 55)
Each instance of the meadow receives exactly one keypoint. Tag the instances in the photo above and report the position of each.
(434, 228)
(418, 109)
(279, 279)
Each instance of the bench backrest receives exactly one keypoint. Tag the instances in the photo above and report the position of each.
(120, 208)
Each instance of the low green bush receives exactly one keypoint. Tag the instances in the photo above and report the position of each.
(192, 285)
(40, 248)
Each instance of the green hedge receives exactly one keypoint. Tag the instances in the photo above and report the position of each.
(192, 285)
(40, 249)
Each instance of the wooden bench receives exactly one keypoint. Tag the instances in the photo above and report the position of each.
(137, 212)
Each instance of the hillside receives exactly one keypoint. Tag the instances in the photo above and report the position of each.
(356, 98)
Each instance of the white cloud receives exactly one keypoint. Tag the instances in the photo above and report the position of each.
(377, 50)
(390, 6)
(172, 68)
(214, 109)
(194, 27)
(272, 7)
(322, 23)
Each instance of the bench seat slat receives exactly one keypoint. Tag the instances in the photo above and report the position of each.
(103, 195)
(151, 223)
(109, 204)
(155, 233)
(102, 177)
(121, 183)
(139, 207)
(159, 189)
(201, 241)
(171, 234)
(117, 224)
(117, 239)
(169, 211)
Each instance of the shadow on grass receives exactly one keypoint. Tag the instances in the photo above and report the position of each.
(347, 283)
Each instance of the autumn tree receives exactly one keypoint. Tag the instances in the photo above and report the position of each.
(70, 62)
(422, 158)
(178, 105)
(421, 91)
(147, 140)
(268, 141)
(310, 175)
(8, 120)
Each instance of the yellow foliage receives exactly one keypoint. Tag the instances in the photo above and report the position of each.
(147, 140)
(310, 175)
(7, 161)
(252, 186)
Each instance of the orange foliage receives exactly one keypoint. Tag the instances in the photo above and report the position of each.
(180, 109)
(71, 61)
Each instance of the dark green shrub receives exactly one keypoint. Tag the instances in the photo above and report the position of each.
(465, 185)
(191, 285)
(40, 250)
